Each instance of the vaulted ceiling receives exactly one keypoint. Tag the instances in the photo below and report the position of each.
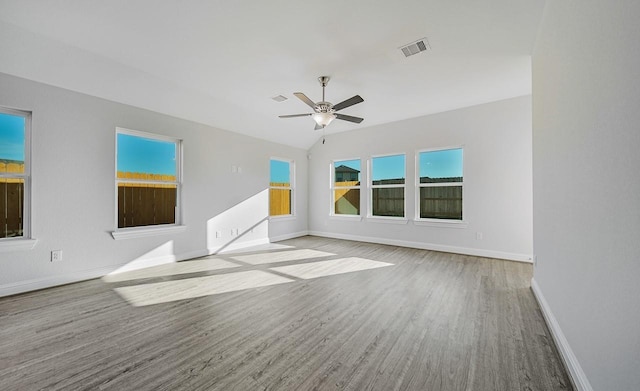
(220, 62)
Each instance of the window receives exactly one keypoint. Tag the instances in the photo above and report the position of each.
(440, 184)
(147, 179)
(281, 187)
(346, 187)
(387, 185)
(14, 173)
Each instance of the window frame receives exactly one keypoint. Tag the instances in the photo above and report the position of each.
(333, 188)
(291, 188)
(433, 221)
(149, 230)
(370, 186)
(25, 241)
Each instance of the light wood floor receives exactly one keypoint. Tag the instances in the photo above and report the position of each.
(429, 321)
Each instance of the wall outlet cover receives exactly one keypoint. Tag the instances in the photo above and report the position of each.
(56, 255)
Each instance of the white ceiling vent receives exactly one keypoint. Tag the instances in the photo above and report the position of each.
(421, 45)
(279, 98)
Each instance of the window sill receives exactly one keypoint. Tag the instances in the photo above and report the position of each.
(131, 233)
(282, 218)
(388, 220)
(346, 217)
(17, 245)
(441, 223)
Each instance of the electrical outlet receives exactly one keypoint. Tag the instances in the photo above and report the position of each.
(56, 255)
(218, 234)
(478, 235)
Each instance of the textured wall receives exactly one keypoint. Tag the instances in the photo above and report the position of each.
(586, 138)
(496, 138)
(73, 197)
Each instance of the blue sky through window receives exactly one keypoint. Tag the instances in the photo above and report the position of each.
(441, 164)
(280, 171)
(12, 137)
(145, 155)
(388, 167)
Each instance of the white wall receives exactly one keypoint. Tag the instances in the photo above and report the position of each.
(497, 179)
(586, 154)
(73, 137)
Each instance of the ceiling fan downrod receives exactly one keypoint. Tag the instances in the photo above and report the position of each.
(324, 80)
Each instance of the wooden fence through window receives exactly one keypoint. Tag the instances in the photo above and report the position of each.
(142, 204)
(11, 200)
(279, 199)
(11, 207)
(441, 202)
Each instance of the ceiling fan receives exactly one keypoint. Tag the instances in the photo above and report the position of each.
(325, 112)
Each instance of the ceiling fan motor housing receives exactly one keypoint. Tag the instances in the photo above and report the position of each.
(324, 107)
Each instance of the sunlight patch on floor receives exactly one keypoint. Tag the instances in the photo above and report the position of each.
(170, 269)
(168, 291)
(329, 268)
(142, 294)
(281, 256)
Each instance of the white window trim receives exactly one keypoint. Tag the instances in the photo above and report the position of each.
(26, 241)
(346, 217)
(441, 223)
(17, 244)
(388, 220)
(149, 230)
(291, 187)
(429, 222)
(282, 218)
(370, 186)
(333, 188)
(153, 230)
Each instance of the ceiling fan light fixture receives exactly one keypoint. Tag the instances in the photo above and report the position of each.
(324, 112)
(323, 119)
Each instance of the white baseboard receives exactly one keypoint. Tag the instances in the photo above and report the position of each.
(288, 236)
(579, 379)
(430, 246)
(48, 282)
(81, 275)
(192, 255)
(144, 263)
(237, 246)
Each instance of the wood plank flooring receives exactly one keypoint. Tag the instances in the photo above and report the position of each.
(428, 321)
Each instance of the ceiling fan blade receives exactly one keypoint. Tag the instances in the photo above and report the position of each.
(349, 118)
(305, 99)
(349, 102)
(295, 115)
(318, 127)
